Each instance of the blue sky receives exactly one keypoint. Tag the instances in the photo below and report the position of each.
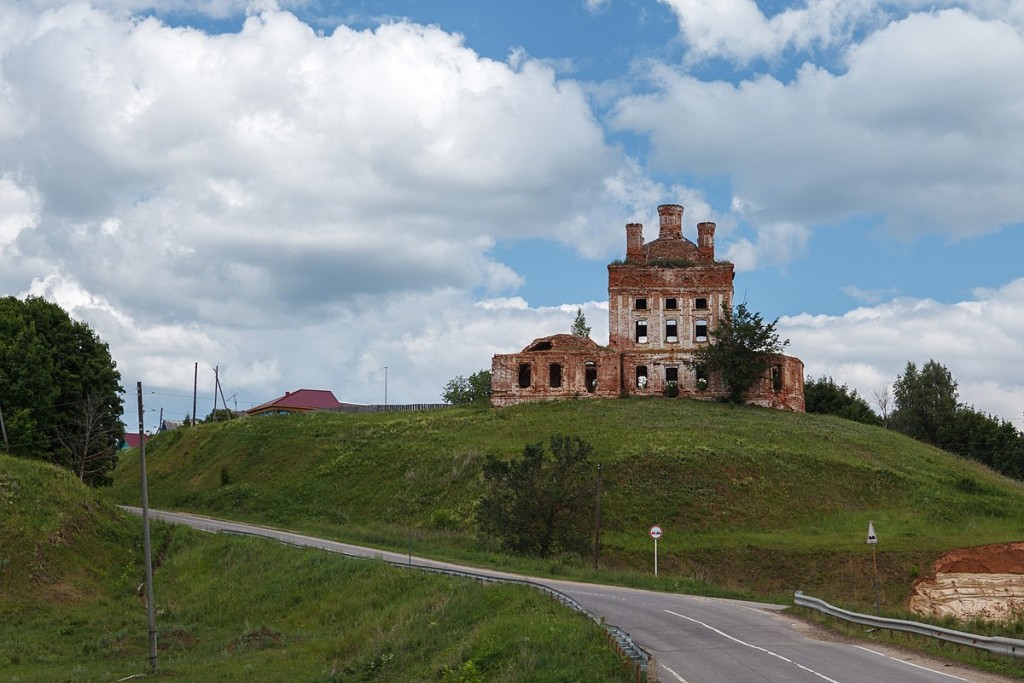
(302, 193)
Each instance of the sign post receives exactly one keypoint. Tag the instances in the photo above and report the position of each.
(655, 533)
(873, 542)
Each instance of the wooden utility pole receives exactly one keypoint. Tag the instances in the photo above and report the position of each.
(597, 519)
(3, 428)
(150, 607)
(195, 385)
(216, 385)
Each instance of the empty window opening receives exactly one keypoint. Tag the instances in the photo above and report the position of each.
(701, 376)
(641, 331)
(555, 375)
(701, 304)
(776, 378)
(524, 375)
(671, 331)
(670, 305)
(591, 376)
(541, 346)
(641, 304)
(700, 330)
(641, 377)
(672, 375)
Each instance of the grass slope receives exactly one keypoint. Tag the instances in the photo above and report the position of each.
(239, 609)
(752, 500)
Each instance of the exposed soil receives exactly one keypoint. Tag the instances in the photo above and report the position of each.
(985, 582)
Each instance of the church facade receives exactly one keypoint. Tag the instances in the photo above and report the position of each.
(663, 300)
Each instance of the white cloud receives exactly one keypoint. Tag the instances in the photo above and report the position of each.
(923, 129)
(19, 210)
(976, 339)
(739, 30)
(295, 207)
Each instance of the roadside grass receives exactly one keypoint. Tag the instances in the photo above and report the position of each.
(243, 609)
(753, 502)
(1003, 665)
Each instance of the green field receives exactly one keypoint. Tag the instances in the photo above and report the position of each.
(243, 609)
(752, 501)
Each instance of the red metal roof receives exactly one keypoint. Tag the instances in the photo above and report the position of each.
(303, 399)
(132, 439)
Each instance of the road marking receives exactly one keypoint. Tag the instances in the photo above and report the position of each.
(678, 677)
(916, 666)
(754, 647)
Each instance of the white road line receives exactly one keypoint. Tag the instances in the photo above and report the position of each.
(678, 677)
(754, 647)
(916, 666)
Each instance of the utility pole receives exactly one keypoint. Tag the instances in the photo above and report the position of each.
(195, 385)
(3, 428)
(216, 385)
(385, 386)
(597, 519)
(150, 607)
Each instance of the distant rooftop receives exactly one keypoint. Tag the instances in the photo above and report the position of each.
(302, 400)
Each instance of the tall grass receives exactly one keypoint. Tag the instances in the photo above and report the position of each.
(751, 500)
(242, 609)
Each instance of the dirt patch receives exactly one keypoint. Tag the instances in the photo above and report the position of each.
(985, 582)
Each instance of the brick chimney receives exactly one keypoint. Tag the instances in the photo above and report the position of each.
(706, 241)
(634, 241)
(671, 221)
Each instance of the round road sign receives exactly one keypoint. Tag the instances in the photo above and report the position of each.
(655, 532)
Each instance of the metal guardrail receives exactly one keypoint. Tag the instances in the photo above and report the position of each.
(994, 644)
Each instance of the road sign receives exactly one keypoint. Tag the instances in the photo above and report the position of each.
(872, 538)
(655, 532)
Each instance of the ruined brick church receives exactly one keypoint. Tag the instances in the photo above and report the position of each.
(662, 302)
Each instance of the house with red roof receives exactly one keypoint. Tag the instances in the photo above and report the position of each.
(131, 440)
(300, 401)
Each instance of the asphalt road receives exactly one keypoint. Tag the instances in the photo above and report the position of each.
(692, 639)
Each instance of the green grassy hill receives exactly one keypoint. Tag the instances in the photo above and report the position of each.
(751, 500)
(243, 609)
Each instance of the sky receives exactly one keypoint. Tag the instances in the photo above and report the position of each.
(374, 197)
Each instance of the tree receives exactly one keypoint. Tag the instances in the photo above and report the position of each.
(474, 390)
(984, 438)
(541, 503)
(579, 325)
(85, 439)
(883, 399)
(926, 401)
(742, 346)
(59, 389)
(823, 395)
(220, 415)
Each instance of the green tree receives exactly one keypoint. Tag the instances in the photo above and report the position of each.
(823, 395)
(579, 325)
(991, 441)
(541, 503)
(59, 389)
(474, 390)
(220, 415)
(926, 401)
(741, 349)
